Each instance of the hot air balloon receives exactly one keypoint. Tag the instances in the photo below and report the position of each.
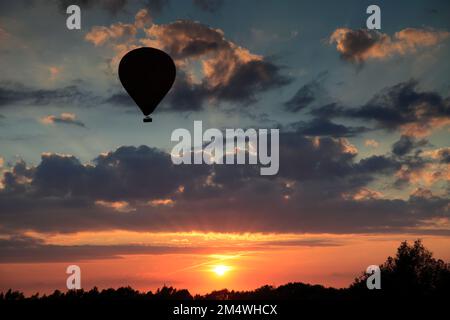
(147, 74)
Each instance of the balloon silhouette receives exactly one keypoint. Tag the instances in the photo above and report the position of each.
(147, 74)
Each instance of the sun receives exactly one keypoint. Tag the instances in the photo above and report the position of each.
(220, 270)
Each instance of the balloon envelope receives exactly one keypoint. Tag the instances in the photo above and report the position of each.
(147, 74)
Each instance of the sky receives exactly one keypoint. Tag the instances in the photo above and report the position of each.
(364, 120)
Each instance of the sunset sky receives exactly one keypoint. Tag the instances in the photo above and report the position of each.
(364, 121)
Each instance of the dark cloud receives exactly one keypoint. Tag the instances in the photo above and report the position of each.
(18, 248)
(126, 173)
(403, 106)
(378, 164)
(328, 111)
(329, 163)
(250, 79)
(186, 96)
(303, 97)
(112, 6)
(307, 94)
(208, 5)
(15, 177)
(325, 127)
(406, 144)
(120, 99)
(321, 187)
(247, 82)
(23, 249)
(318, 158)
(15, 93)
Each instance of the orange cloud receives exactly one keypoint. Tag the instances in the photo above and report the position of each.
(427, 175)
(121, 36)
(425, 128)
(360, 45)
(437, 154)
(371, 143)
(186, 41)
(64, 118)
(54, 72)
(120, 206)
(363, 194)
(422, 193)
(100, 35)
(347, 147)
(161, 202)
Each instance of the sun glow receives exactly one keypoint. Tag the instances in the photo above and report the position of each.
(220, 270)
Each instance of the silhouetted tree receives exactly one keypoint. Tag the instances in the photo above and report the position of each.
(13, 295)
(170, 293)
(413, 271)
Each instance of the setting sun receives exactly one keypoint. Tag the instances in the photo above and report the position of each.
(220, 270)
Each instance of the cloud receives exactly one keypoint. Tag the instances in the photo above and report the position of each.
(25, 249)
(358, 46)
(161, 202)
(371, 143)
(422, 193)
(322, 186)
(22, 248)
(363, 194)
(402, 107)
(421, 168)
(425, 174)
(307, 94)
(406, 144)
(441, 154)
(325, 127)
(112, 6)
(210, 68)
(64, 118)
(416, 112)
(303, 97)
(208, 5)
(54, 72)
(99, 35)
(120, 206)
(120, 99)
(124, 174)
(328, 111)
(15, 93)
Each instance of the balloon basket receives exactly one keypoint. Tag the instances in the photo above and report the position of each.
(147, 119)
